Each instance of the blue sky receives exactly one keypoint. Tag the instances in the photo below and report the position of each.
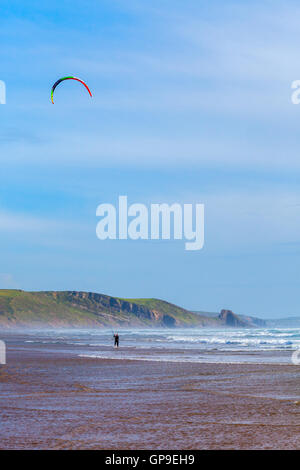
(191, 103)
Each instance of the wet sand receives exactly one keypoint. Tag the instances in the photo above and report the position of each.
(54, 400)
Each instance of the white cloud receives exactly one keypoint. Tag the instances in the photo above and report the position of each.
(212, 90)
(46, 230)
(205, 150)
(14, 222)
(248, 220)
(7, 281)
(243, 218)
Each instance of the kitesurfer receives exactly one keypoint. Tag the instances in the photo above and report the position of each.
(116, 338)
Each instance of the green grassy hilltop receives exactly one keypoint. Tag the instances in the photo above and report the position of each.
(73, 308)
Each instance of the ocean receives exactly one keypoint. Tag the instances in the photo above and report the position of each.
(208, 345)
(162, 389)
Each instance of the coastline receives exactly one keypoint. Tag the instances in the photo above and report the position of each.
(57, 400)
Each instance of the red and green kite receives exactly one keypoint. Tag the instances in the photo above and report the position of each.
(68, 78)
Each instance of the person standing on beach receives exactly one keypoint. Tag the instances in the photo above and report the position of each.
(116, 337)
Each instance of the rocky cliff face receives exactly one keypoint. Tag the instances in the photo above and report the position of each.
(75, 308)
(126, 312)
(230, 319)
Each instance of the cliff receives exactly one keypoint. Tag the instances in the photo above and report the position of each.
(72, 308)
(87, 309)
(230, 319)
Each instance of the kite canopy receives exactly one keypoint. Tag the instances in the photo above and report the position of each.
(68, 78)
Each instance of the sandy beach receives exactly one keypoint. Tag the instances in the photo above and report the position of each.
(55, 400)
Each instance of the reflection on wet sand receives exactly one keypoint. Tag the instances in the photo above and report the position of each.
(54, 400)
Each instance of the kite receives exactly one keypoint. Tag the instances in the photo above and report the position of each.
(68, 78)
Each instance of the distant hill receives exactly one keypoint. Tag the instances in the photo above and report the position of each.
(289, 322)
(245, 320)
(75, 309)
